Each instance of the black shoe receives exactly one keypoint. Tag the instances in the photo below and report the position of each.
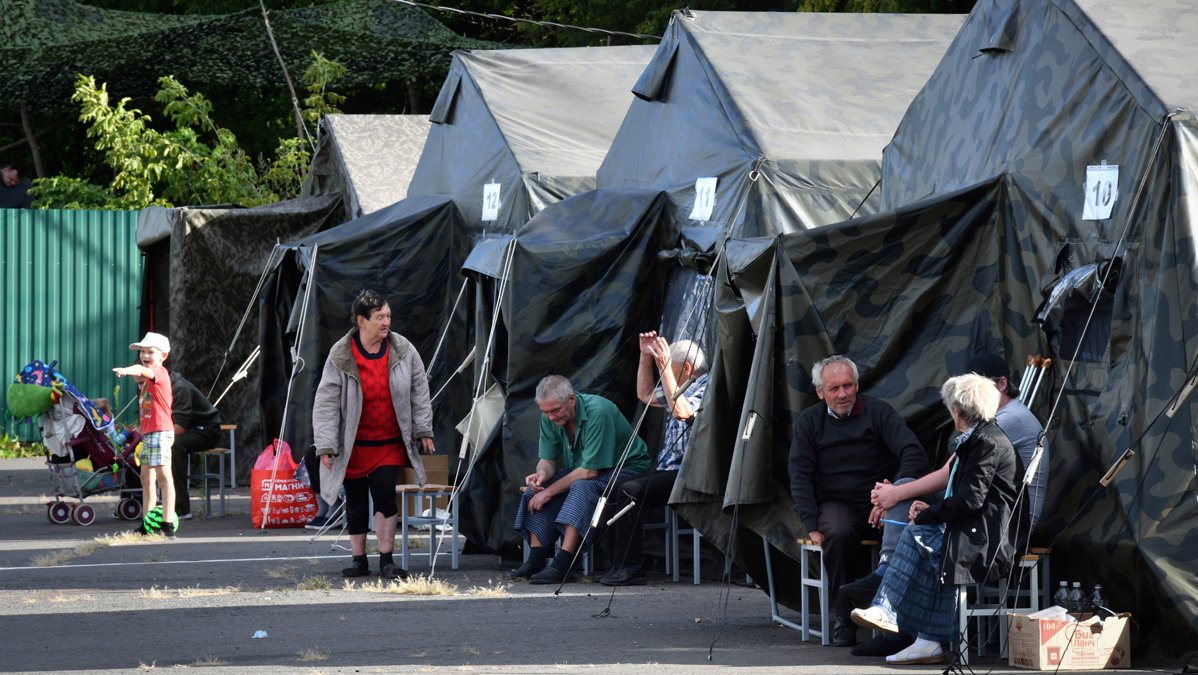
(528, 569)
(549, 575)
(169, 530)
(862, 591)
(844, 633)
(358, 568)
(883, 645)
(622, 576)
(393, 571)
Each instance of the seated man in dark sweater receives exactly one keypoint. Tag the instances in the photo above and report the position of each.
(841, 448)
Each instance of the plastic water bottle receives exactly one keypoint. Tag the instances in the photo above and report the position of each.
(1061, 597)
(1077, 601)
(1098, 599)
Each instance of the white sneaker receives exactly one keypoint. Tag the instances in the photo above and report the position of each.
(920, 651)
(875, 617)
(185, 516)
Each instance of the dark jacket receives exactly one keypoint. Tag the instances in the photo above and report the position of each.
(977, 542)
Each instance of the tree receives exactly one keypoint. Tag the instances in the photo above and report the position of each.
(196, 162)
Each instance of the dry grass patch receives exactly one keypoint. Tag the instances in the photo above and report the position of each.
(493, 589)
(418, 584)
(69, 598)
(166, 592)
(147, 666)
(314, 583)
(208, 662)
(313, 655)
(85, 549)
(467, 649)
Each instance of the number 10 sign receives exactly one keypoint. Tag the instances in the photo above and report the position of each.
(1102, 189)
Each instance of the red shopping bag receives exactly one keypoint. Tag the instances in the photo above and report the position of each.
(276, 497)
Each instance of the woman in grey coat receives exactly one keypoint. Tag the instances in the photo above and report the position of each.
(372, 416)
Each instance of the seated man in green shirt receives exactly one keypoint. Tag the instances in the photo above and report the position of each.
(582, 439)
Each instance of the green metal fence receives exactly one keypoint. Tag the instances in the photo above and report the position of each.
(70, 283)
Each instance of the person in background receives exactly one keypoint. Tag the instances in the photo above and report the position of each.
(14, 188)
(372, 415)
(682, 368)
(197, 427)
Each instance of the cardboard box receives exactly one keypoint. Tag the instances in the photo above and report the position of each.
(436, 470)
(1052, 644)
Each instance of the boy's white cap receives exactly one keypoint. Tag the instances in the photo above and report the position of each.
(153, 340)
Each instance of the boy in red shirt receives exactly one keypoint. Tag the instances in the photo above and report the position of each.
(157, 429)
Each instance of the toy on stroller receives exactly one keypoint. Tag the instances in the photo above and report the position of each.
(85, 453)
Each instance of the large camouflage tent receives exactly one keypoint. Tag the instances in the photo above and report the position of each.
(534, 121)
(369, 159)
(202, 267)
(788, 112)
(996, 238)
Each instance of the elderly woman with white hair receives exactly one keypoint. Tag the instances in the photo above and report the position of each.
(963, 539)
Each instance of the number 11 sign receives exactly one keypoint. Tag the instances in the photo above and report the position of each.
(1102, 189)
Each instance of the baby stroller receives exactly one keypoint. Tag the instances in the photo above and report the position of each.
(85, 453)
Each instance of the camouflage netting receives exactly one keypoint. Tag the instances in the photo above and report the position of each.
(368, 158)
(47, 43)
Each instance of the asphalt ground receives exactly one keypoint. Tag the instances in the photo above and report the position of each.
(76, 599)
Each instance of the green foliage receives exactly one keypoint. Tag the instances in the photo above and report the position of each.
(11, 447)
(317, 77)
(196, 162)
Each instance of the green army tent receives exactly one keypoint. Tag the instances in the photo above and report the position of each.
(1037, 196)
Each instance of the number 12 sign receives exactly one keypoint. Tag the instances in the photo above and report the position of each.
(1102, 189)
(491, 201)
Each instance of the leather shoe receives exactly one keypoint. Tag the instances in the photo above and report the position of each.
(844, 634)
(883, 645)
(622, 576)
(549, 575)
(527, 570)
(393, 571)
(862, 591)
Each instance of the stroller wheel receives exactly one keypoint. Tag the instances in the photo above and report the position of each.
(129, 509)
(84, 514)
(58, 512)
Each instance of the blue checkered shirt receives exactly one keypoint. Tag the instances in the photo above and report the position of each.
(678, 432)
